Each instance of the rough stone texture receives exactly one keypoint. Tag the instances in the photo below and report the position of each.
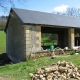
(41, 54)
(71, 38)
(15, 39)
(59, 71)
(32, 39)
(38, 36)
(21, 38)
(37, 54)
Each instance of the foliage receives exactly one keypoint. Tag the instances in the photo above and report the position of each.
(3, 20)
(4, 4)
(48, 39)
(21, 70)
(4, 17)
(2, 24)
(74, 52)
(73, 12)
(51, 36)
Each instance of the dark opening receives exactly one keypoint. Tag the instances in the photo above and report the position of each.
(54, 36)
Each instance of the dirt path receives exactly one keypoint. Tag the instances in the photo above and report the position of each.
(2, 78)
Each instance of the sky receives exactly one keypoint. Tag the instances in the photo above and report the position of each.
(44, 5)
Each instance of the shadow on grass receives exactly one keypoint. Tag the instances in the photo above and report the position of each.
(4, 59)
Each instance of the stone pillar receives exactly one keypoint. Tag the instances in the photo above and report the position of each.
(38, 36)
(27, 42)
(32, 34)
(71, 37)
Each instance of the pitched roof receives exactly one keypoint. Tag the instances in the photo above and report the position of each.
(36, 17)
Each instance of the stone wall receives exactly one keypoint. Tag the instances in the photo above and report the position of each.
(32, 39)
(15, 39)
(21, 38)
(41, 54)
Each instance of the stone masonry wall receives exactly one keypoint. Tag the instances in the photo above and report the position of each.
(32, 39)
(15, 39)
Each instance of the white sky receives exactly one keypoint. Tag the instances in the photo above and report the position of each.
(61, 8)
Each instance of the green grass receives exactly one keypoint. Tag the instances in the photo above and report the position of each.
(48, 39)
(21, 70)
(2, 42)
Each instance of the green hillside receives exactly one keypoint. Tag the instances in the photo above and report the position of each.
(2, 24)
(2, 42)
(48, 39)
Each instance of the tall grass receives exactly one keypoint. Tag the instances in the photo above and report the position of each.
(2, 42)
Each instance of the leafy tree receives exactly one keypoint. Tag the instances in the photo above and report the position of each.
(3, 20)
(49, 38)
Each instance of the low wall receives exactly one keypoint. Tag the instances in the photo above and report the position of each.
(44, 54)
(41, 54)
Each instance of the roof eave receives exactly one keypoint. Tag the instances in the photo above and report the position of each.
(45, 25)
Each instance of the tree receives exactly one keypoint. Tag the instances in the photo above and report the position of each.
(4, 6)
(73, 12)
(70, 12)
(2, 24)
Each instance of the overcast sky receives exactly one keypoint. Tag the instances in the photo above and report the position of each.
(45, 5)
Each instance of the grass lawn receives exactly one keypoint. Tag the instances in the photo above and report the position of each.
(2, 42)
(20, 71)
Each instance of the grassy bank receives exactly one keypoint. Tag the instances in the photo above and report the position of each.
(21, 70)
(2, 42)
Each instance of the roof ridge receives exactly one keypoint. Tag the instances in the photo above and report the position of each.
(45, 12)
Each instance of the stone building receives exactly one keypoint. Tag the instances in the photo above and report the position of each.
(24, 28)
